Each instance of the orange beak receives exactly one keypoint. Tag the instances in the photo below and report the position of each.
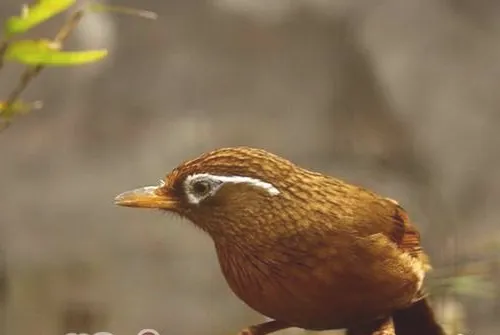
(146, 197)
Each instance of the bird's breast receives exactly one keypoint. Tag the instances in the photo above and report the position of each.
(325, 287)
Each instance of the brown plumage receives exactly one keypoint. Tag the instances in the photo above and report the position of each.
(300, 247)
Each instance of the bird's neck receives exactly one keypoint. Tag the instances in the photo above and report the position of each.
(241, 242)
(246, 268)
(245, 235)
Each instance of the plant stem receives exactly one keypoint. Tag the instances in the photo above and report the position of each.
(3, 48)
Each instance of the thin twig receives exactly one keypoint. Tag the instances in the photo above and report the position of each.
(146, 14)
(31, 72)
(3, 48)
(69, 26)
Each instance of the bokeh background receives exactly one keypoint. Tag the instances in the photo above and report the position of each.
(399, 96)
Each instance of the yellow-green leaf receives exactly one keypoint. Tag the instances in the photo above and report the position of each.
(35, 14)
(43, 52)
(18, 107)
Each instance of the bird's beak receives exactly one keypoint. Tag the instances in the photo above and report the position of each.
(146, 197)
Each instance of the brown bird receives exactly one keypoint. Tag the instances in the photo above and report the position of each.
(305, 249)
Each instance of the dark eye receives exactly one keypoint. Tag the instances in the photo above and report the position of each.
(201, 187)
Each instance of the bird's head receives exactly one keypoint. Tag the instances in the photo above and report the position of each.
(229, 192)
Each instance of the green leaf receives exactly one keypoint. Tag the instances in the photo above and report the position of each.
(35, 14)
(44, 52)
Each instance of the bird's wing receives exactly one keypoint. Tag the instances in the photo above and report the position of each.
(386, 216)
(404, 233)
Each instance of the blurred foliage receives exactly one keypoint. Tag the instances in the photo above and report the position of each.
(36, 54)
(469, 285)
(474, 278)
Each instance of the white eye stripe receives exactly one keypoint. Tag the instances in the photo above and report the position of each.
(269, 188)
(218, 181)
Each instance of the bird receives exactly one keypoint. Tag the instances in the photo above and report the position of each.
(303, 248)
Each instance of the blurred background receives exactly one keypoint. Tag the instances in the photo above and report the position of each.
(399, 96)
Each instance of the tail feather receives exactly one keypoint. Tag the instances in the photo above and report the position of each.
(418, 319)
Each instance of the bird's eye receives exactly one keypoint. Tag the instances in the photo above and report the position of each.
(201, 187)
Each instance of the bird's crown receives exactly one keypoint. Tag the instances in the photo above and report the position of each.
(204, 175)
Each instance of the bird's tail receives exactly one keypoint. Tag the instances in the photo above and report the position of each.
(417, 319)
